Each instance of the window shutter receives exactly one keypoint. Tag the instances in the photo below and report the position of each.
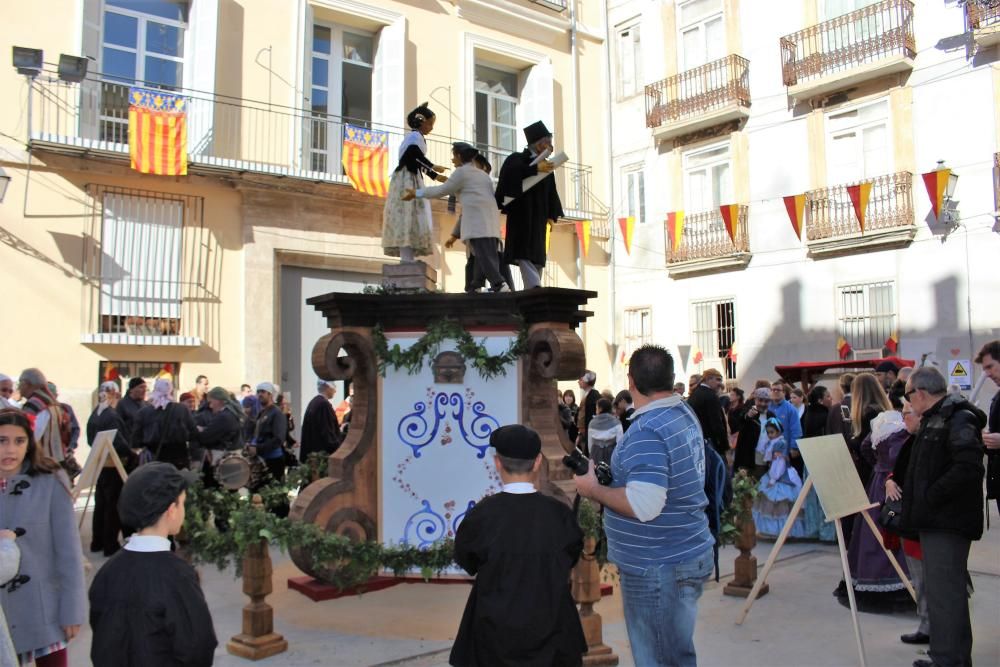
(536, 97)
(651, 47)
(90, 88)
(388, 103)
(199, 73)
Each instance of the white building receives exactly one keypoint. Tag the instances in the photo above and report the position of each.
(740, 102)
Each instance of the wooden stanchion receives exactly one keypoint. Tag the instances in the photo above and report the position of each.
(745, 565)
(587, 592)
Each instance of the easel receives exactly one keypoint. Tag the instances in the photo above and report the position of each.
(840, 494)
(102, 448)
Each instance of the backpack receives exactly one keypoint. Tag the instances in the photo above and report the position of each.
(719, 491)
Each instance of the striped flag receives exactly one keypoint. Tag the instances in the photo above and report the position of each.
(892, 342)
(628, 229)
(675, 228)
(843, 347)
(730, 218)
(583, 232)
(733, 353)
(157, 132)
(366, 159)
(796, 206)
(859, 195)
(936, 182)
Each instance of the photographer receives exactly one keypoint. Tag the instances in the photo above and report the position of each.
(654, 517)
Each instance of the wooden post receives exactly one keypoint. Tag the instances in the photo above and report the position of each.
(258, 639)
(587, 592)
(745, 575)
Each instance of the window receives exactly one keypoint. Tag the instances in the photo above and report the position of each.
(858, 143)
(341, 71)
(707, 179)
(142, 44)
(496, 112)
(629, 62)
(715, 333)
(866, 314)
(123, 371)
(638, 329)
(702, 32)
(635, 193)
(834, 8)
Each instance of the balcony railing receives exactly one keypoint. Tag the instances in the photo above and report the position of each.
(864, 36)
(830, 213)
(237, 135)
(983, 13)
(699, 91)
(705, 237)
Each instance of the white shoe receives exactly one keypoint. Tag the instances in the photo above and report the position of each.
(504, 288)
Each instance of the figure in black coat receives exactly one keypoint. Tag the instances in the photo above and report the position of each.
(320, 430)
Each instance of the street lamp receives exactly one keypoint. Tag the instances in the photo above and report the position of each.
(72, 68)
(4, 182)
(949, 212)
(27, 61)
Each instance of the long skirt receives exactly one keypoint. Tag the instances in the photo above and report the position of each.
(773, 505)
(406, 223)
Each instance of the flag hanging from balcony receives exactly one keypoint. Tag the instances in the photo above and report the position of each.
(859, 195)
(936, 183)
(796, 206)
(628, 229)
(892, 342)
(157, 132)
(843, 347)
(675, 229)
(733, 353)
(730, 218)
(583, 233)
(366, 159)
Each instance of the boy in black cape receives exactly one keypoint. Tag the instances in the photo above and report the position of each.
(146, 606)
(521, 546)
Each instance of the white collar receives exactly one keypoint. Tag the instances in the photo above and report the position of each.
(519, 488)
(147, 543)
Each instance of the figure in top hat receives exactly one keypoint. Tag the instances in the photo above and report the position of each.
(406, 225)
(529, 212)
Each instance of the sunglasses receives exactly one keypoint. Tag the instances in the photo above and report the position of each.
(907, 394)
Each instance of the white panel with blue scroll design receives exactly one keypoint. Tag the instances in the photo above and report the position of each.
(435, 436)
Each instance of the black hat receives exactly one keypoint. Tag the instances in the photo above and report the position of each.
(135, 382)
(149, 491)
(536, 131)
(516, 442)
(886, 366)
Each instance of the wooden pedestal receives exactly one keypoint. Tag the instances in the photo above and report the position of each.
(258, 639)
(586, 592)
(414, 276)
(745, 573)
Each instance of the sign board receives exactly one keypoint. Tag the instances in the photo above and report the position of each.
(833, 473)
(960, 373)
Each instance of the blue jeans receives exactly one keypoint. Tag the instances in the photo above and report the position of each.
(660, 611)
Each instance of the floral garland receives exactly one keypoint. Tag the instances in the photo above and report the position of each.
(744, 491)
(412, 359)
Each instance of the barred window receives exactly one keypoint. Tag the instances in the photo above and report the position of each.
(715, 333)
(866, 315)
(638, 329)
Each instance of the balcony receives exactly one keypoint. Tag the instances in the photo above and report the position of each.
(832, 225)
(984, 21)
(865, 44)
(706, 247)
(713, 94)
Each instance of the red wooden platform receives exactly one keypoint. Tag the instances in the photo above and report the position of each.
(317, 591)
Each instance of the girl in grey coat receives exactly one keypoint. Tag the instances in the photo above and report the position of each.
(48, 605)
(10, 560)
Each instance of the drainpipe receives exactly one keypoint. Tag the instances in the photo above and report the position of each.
(580, 283)
(609, 170)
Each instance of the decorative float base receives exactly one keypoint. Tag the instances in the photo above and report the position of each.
(256, 648)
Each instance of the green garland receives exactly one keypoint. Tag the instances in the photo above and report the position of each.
(412, 359)
(744, 491)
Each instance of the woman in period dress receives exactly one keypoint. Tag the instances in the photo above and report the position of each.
(406, 225)
(814, 424)
(778, 488)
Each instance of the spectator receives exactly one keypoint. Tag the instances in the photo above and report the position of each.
(189, 401)
(165, 428)
(200, 392)
(868, 400)
(588, 407)
(7, 393)
(886, 372)
(569, 400)
(132, 402)
(51, 423)
(733, 410)
(839, 419)
(106, 524)
(70, 464)
(989, 357)
(797, 398)
(245, 390)
(222, 432)
(704, 400)
(679, 389)
(320, 429)
(791, 426)
(693, 382)
(270, 432)
(751, 436)
(814, 419)
(624, 408)
(604, 433)
(943, 502)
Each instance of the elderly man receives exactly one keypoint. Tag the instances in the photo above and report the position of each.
(704, 400)
(52, 425)
(943, 503)
(320, 429)
(134, 400)
(7, 393)
(989, 358)
(588, 407)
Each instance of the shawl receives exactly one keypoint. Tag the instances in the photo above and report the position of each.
(163, 393)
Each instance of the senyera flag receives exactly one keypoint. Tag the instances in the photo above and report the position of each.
(157, 132)
(366, 159)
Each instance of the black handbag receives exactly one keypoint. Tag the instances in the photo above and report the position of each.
(890, 516)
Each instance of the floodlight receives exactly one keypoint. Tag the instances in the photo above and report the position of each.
(72, 68)
(27, 61)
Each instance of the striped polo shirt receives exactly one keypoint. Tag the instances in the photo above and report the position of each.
(663, 446)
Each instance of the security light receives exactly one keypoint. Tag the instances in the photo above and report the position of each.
(27, 61)
(72, 68)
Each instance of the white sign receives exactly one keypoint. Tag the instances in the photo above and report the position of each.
(960, 373)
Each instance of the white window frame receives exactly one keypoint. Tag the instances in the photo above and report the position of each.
(863, 327)
(634, 191)
(140, 48)
(856, 5)
(707, 332)
(628, 51)
(638, 328)
(699, 24)
(708, 167)
(862, 172)
(497, 156)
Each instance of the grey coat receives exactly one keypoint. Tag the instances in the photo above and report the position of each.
(474, 189)
(10, 560)
(51, 555)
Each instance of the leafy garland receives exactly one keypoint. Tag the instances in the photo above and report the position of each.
(412, 359)
(744, 491)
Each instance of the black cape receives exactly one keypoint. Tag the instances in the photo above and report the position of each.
(320, 431)
(705, 403)
(147, 610)
(521, 547)
(529, 213)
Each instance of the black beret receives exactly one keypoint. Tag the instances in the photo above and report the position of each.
(516, 441)
(886, 366)
(135, 382)
(149, 491)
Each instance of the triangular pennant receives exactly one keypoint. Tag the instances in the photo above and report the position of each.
(696, 355)
(628, 228)
(859, 195)
(675, 229)
(892, 342)
(936, 182)
(733, 353)
(583, 233)
(796, 206)
(730, 218)
(843, 347)
(548, 238)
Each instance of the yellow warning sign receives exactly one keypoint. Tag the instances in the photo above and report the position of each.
(958, 370)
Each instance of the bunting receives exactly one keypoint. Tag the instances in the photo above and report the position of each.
(110, 372)
(675, 229)
(733, 353)
(583, 233)
(696, 355)
(892, 342)
(628, 228)
(859, 195)
(796, 206)
(730, 218)
(366, 159)
(843, 347)
(548, 237)
(936, 183)
(157, 132)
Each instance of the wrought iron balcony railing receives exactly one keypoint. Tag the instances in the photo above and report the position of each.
(983, 13)
(858, 38)
(699, 91)
(830, 213)
(705, 237)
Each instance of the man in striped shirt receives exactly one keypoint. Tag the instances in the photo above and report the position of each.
(654, 517)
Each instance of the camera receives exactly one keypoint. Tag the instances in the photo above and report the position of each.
(579, 464)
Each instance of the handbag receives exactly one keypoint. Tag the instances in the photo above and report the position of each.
(890, 515)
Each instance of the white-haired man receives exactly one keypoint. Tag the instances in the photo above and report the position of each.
(52, 426)
(320, 429)
(7, 393)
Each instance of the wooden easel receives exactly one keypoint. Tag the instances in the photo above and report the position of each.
(840, 494)
(102, 448)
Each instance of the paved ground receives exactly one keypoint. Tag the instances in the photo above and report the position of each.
(799, 624)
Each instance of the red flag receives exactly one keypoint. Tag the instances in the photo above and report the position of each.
(796, 205)
(843, 348)
(859, 195)
(698, 356)
(892, 342)
(731, 218)
(936, 183)
(732, 354)
(110, 372)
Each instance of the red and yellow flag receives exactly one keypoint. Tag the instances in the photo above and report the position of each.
(936, 182)
(548, 236)
(796, 206)
(675, 228)
(628, 228)
(733, 353)
(843, 347)
(731, 218)
(110, 371)
(696, 355)
(366, 159)
(859, 195)
(583, 233)
(892, 342)
(157, 132)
